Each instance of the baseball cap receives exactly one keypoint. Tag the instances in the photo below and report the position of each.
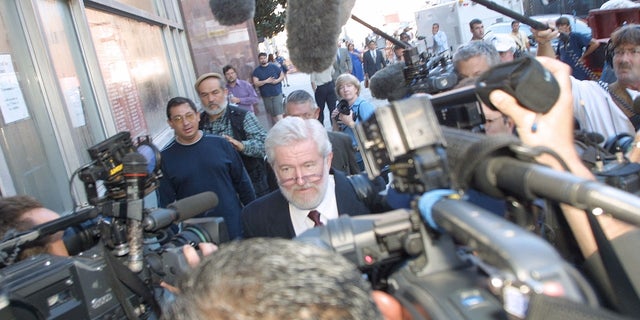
(503, 42)
(207, 76)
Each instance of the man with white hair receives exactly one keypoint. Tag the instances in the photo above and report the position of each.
(310, 192)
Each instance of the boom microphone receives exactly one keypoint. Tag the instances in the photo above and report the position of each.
(313, 27)
(487, 164)
(389, 83)
(232, 12)
(180, 210)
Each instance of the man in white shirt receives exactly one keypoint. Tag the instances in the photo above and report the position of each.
(440, 43)
(300, 154)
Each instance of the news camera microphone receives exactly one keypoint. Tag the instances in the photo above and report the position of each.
(135, 173)
(389, 83)
(180, 210)
(489, 164)
(312, 42)
(232, 12)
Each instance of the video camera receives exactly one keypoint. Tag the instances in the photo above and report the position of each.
(120, 250)
(446, 258)
(423, 73)
(608, 162)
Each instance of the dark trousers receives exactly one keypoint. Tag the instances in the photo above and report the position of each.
(326, 95)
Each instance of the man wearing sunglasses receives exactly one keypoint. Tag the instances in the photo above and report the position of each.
(195, 162)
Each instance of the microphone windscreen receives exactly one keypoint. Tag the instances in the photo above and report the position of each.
(345, 11)
(192, 206)
(313, 28)
(388, 83)
(232, 12)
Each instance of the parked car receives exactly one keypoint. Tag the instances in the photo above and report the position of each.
(577, 25)
(504, 28)
(594, 61)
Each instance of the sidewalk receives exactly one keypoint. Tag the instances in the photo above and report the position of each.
(301, 81)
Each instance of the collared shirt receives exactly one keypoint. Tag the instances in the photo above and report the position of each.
(253, 146)
(247, 94)
(596, 111)
(328, 209)
(440, 43)
(323, 77)
(521, 40)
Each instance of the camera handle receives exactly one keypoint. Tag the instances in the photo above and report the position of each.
(120, 275)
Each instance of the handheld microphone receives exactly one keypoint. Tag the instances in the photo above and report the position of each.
(135, 173)
(232, 12)
(180, 210)
(389, 83)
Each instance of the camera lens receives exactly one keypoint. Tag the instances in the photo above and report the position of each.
(191, 235)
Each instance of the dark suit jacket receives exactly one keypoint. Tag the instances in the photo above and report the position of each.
(268, 216)
(370, 66)
(344, 158)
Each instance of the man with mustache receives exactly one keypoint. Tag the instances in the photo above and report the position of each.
(310, 192)
(238, 126)
(608, 110)
(195, 162)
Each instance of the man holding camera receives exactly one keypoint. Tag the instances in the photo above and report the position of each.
(607, 110)
(351, 109)
(21, 213)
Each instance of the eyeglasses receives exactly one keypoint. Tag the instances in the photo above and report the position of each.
(187, 116)
(311, 173)
(619, 52)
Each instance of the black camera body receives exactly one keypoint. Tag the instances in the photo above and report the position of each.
(51, 287)
(608, 163)
(343, 108)
(120, 250)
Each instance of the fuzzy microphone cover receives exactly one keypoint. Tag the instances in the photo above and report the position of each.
(232, 12)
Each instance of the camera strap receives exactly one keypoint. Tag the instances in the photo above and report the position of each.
(626, 298)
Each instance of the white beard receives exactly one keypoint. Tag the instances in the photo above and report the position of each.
(215, 112)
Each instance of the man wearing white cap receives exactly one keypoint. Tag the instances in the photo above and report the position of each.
(505, 45)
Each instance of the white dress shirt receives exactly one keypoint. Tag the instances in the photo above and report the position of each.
(328, 209)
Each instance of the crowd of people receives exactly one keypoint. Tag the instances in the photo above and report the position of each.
(280, 182)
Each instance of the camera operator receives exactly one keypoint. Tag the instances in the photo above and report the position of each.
(21, 213)
(348, 89)
(607, 109)
(555, 131)
(225, 286)
(474, 58)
